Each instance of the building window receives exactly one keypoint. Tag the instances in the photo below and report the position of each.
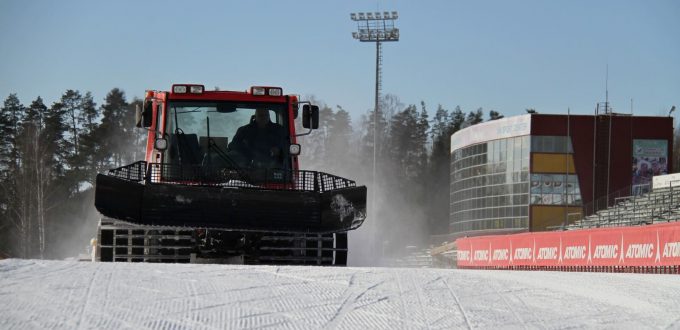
(551, 144)
(490, 185)
(555, 189)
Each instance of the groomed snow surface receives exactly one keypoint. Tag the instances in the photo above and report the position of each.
(76, 295)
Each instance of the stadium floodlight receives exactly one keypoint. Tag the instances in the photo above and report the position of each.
(376, 27)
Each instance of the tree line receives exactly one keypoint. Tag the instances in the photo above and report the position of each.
(49, 158)
(50, 155)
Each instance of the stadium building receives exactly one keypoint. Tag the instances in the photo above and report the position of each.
(538, 172)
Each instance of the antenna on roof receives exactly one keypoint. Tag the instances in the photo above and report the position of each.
(605, 105)
(606, 87)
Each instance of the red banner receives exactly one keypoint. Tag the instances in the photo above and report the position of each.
(653, 245)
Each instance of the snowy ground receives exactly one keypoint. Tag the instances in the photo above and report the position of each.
(70, 295)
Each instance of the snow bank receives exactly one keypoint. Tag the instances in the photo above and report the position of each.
(67, 294)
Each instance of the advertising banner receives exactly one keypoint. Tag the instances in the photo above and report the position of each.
(500, 252)
(650, 158)
(652, 245)
(522, 251)
(547, 249)
(604, 248)
(575, 248)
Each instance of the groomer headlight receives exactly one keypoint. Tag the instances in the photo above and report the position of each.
(257, 91)
(294, 149)
(196, 89)
(179, 89)
(275, 92)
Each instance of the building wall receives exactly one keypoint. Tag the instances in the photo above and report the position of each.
(555, 190)
(581, 136)
(564, 151)
(547, 217)
(552, 163)
(624, 130)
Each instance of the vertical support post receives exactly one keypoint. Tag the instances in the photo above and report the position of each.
(670, 205)
(376, 109)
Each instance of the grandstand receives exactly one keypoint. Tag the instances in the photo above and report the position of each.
(661, 204)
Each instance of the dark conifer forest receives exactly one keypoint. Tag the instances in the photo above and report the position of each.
(50, 155)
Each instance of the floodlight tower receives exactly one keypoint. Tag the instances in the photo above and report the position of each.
(376, 27)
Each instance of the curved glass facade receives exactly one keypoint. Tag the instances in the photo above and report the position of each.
(490, 186)
(534, 172)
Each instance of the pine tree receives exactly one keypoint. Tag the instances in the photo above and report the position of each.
(437, 207)
(493, 115)
(420, 145)
(403, 185)
(89, 114)
(457, 120)
(36, 174)
(35, 113)
(89, 146)
(474, 117)
(61, 183)
(340, 154)
(405, 146)
(439, 123)
(71, 102)
(421, 137)
(57, 145)
(11, 116)
(14, 217)
(115, 132)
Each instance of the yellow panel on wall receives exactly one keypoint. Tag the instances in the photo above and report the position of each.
(543, 217)
(552, 163)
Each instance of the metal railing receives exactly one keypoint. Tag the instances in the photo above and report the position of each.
(133, 172)
(661, 204)
(272, 179)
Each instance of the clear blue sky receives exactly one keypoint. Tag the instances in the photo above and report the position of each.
(502, 55)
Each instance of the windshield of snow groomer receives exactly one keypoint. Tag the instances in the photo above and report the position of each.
(205, 133)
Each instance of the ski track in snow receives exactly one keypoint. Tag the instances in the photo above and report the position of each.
(38, 294)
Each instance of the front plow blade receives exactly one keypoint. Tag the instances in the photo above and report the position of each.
(313, 203)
